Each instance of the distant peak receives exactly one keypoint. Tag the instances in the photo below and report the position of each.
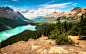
(54, 12)
(17, 12)
(77, 7)
(8, 8)
(85, 9)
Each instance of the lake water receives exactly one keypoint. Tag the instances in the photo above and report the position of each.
(8, 33)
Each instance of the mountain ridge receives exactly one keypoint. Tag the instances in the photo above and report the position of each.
(74, 13)
(9, 13)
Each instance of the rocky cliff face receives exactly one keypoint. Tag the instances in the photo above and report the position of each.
(10, 13)
(56, 14)
(17, 13)
(74, 13)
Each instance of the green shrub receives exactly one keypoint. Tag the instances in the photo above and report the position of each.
(78, 43)
(61, 37)
(61, 40)
(71, 42)
(74, 30)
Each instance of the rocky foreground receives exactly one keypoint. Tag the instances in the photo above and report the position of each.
(43, 45)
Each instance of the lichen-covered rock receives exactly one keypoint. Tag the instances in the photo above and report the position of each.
(42, 46)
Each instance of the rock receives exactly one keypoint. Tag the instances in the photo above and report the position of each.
(40, 50)
(42, 35)
(35, 47)
(8, 27)
(82, 52)
(55, 50)
(41, 46)
(65, 51)
(4, 53)
(80, 46)
(71, 49)
(44, 51)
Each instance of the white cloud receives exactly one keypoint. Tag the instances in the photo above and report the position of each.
(15, 0)
(58, 10)
(31, 11)
(74, 4)
(21, 10)
(9, 5)
(63, 5)
(24, 11)
(36, 13)
(18, 9)
(26, 6)
(50, 2)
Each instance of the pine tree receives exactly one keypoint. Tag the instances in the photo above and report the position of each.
(19, 39)
(70, 25)
(51, 27)
(0, 45)
(65, 25)
(24, 38)
(58, 25)
(74, 30)
(83, 25)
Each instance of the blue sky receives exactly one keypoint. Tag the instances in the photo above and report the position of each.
(33, 5)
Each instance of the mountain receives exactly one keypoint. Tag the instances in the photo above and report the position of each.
(17, 13)
(37, 18)
(71, 16)
(6, 23)
(9, 13)
(56, 14)
(74, 13)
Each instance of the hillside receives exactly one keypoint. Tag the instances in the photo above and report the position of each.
(47, 19)
(6, 23)
(53, 20)
(56, 14)
(42, 46)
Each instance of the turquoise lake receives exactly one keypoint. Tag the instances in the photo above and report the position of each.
(8, 33)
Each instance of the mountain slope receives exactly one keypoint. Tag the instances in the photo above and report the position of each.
(56, 14)
(11, 14)
(71, 16)
(74, 13)
(47, 19)
(6, 23)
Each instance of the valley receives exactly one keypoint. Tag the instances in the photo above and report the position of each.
(42, 31)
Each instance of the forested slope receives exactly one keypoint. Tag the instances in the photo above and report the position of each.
(4, 22)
